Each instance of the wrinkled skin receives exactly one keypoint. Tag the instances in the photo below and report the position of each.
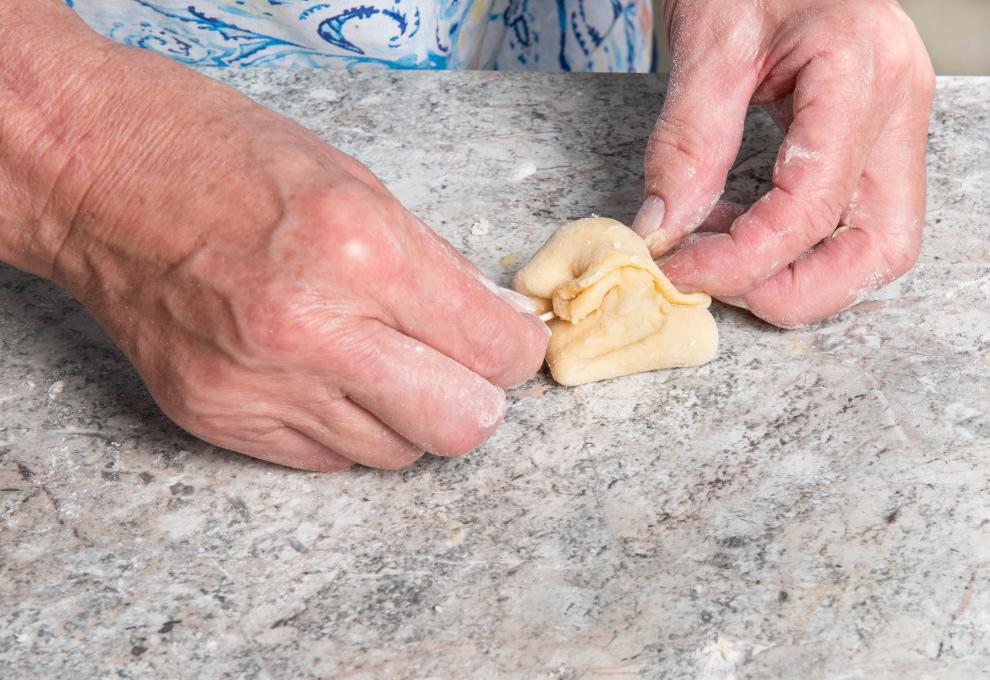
(274, 296)
(851, 84)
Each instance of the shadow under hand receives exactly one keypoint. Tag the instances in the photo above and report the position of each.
(61, 373)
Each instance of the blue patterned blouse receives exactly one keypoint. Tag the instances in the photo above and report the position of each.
(533, 35)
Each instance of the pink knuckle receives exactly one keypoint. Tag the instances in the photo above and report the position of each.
(675, 144)
(354, 351)
(350, 231)
(891, 37)
(283, 319)
(900, 246)
(901, 260)
(894, 55)
(363, 249)
(816, 213)
(821, 213)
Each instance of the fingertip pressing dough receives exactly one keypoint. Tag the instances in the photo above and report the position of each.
(616, 312)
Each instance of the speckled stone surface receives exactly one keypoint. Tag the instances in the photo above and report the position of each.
(814, 503)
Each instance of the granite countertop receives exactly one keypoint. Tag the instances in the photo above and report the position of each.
(814, 503)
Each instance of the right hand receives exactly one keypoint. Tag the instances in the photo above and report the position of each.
(276, 299)
(851, 85)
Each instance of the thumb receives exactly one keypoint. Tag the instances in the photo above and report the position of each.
(692, 148)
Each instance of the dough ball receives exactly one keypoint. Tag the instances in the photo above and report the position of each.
(616, 312)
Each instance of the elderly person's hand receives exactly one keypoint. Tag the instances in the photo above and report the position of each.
(274, 296)
(851, 84)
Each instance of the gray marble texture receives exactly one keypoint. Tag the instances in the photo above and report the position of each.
(812, 504)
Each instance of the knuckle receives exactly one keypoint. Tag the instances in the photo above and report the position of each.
(362, 247)
(876, 42)
(900, 246)
(350, 229)
(680, 144)
(901, 258)
(893, 54)
(892, 38)
(339, 243)
(283, 319)
(816, 213)
(231, 430)
(354, 351)
(821, 214)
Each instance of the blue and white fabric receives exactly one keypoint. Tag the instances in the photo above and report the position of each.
(532, 35)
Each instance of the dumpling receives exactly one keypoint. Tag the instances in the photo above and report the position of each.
(616, 312)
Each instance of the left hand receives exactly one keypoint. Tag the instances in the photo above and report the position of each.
(851, 84)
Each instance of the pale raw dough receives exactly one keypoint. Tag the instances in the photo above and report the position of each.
(616, 311)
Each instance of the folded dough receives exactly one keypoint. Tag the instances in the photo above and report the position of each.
(616, 311)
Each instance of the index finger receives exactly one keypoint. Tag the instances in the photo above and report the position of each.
(451, 306)
(818, 165)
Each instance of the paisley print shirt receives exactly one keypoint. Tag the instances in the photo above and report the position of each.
(535, 35)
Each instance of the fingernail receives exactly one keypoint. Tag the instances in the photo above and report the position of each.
(518, 301)
(546, 327)
(655, 242)
(650, 216)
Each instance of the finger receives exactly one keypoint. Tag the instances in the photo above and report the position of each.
(835, 276)
(426, 397)
(880, 242)
(819, 163)
(287, 446)
(718, 222)
(692, 147)
(406, 276)
(341, 424)
(454, 309)
(398, 271)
